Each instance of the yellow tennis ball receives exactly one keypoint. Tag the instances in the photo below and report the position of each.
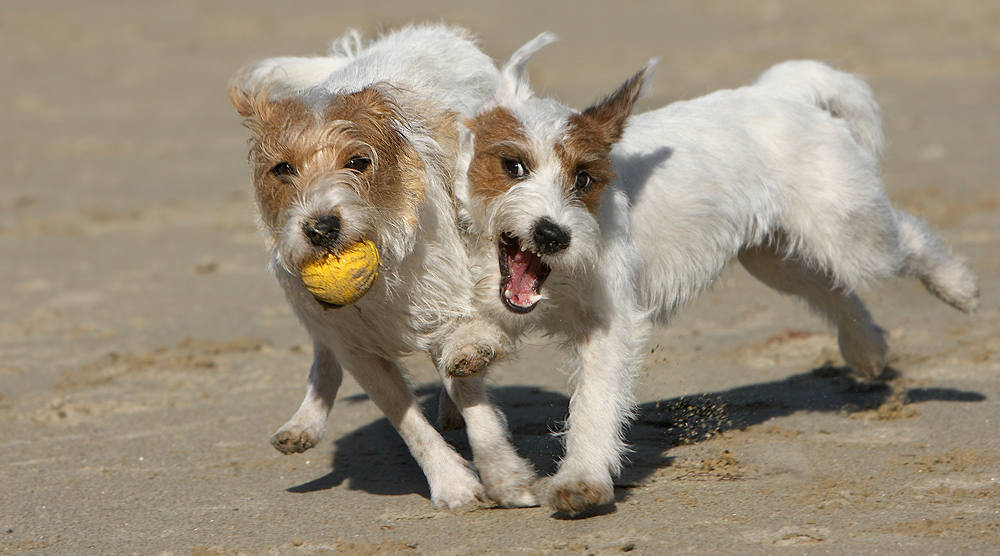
(344, 277)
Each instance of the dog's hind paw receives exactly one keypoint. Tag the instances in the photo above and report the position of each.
(449, 417)
(293, 440)
(864, 349)
(519, 497)
(573, 497)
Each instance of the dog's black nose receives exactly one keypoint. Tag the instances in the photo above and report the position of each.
(549, 237)
(322, 231)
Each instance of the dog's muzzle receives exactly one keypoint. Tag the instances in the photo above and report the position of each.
(522, 271)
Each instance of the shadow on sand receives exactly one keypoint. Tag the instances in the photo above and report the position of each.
(373, 458)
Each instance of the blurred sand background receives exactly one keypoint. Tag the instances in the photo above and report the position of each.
(146, 355)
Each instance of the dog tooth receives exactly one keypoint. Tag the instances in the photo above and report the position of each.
(533, 298)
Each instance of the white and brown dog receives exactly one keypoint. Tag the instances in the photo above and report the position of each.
(593, 225)
(359, 145)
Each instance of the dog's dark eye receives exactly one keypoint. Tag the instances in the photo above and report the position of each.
(359, 164)
(583, 182)
(283, 169)
(514, 168)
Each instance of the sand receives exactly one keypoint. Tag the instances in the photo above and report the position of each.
(146, 354)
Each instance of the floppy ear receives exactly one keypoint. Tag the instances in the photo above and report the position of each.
(283, 77)
(611, 113)
(240, 97)
(513, 83)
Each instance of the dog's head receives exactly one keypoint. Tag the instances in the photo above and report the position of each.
(331, 170)
(537, 176)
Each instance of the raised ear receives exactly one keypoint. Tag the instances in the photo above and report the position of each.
(611, 113)
(513, 83)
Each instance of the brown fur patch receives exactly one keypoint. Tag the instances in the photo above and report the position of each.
(592, 134)
(399, 181)
(278, 127)
(319, 145)
(498, 137)
(587, 149)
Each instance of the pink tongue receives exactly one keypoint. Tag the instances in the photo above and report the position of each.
(524, 267)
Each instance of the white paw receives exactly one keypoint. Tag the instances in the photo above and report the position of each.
(461, 489)
(519, 496)
(294, 438)
(508, 480)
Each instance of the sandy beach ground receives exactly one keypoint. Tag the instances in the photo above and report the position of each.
(146, 354)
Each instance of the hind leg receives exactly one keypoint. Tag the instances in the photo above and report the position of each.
(928, 260)
(862, 342)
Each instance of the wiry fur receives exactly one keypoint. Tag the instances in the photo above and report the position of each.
(782, 175)
(369, 135)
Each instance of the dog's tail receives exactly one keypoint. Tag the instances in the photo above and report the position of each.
(927, 259)
(841, 94)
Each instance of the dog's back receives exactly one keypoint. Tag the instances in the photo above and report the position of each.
(839, 93)
(790, 161)
(440, 62)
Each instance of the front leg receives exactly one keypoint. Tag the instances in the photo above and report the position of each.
(452, 481)
(467, 350)
(608, 359)
(308, 426)
(506, 475)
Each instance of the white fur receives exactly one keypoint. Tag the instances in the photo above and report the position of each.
(423, 292)
(782, 175)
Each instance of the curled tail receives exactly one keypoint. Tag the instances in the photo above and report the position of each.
(841, 94)
(927, 259)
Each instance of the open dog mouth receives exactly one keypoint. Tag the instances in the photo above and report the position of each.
(521, 274)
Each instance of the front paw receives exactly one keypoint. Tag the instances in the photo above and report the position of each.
(470, 348)
(508, 477)
(295, 439)
(468, 360)
(461, 489)
(574, 495)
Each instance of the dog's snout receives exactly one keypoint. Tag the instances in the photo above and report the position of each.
(549, 237)
(322, 231)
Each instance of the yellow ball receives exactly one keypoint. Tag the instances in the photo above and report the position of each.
(344, 277)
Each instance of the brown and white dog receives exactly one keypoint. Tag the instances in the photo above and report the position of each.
(594, 225)
(362, 144)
